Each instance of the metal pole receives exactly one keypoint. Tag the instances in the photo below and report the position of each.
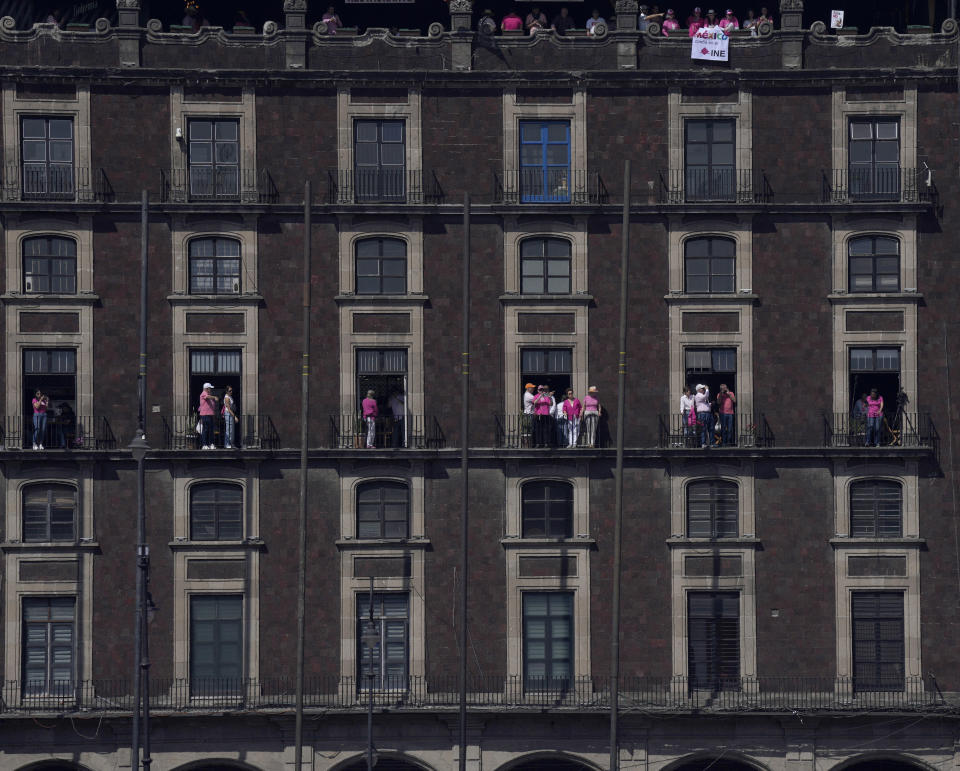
(142, 560)
(618, 503)
(145, 661)
(370, 645)
(464, 479)
(304, 414)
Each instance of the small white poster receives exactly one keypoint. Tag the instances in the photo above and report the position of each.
(836, 19)
(710, 43)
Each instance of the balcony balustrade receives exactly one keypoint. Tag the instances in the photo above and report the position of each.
(253, 432)
(742, 186)
(556, 185)
(749, 430)
(518, 431)
(880, 185)
(62, 432)
(906, 429)
(231, 184)
(398, 186)
(62, 182)
(418, 432)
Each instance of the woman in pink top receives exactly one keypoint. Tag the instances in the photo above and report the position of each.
(670, 24)
(40, 402)
(541, 417)
(729, 22)
(207, 409)
(572, 410)
(591, 416)
(332, 20)
(874, 417)
(511, 22)
(370, 413)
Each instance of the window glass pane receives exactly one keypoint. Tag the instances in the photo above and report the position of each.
(33, 128)
(887, 245)
(557, 155)
(697, 155)
(533, 247)
(368, 247)
(558, 285)
(226, 152)
(722, 283)
(61, 152)
(888, 359)
(887, 129)
(888, 283)
(392, 155)
(393, 247)
(531, 155)
(861, 152)
(34, 151)
(394, 267)
(724, 360)
(366, 130)
(722, 130)
(723, 155)
(201, 129)
(201, 152)
(888, 265)
(557, 131)
(861, 130)
(532, 285)
(860, 246)
(887, 152)
(530, 132)
(861, 359)
(558, 268)
(391, 130)
(696, 131)
(366, 155)
(226, 130)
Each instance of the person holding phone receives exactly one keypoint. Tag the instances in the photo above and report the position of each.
(40, 404)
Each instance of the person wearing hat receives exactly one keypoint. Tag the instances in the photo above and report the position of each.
(192, 17)
(701, 401)
(207, 409)
(670, 24)
(370, 413)
(729, 22)
(711, 20)
(526, 419)
(591, 416)
(542, 404)
(695, 18)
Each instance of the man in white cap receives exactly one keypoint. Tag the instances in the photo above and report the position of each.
(207, 409)
(704, 414)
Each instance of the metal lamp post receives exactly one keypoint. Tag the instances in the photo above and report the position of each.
(370, 639)
(139, 448)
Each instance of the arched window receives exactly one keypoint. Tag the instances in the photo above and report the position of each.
(49, 512)
(545, 266)
(876, 509)
(215, 266)
(383, 510)
(713, 508)
(709, 265)
(49, 265)
(546, 509)
(874, 264)
(216, 512)
(381, 266)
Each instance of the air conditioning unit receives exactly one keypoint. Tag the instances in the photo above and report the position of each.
(28, 284)
(236, 286)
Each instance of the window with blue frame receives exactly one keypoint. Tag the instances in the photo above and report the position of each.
(545, 161)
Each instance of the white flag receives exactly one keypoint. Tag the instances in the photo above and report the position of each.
(710, 43)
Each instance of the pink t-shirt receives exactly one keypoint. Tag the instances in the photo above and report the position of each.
(591, 403)
(670, 25)
(512, 22)
(39, 407)
(572, 409)
(874, 407)
(369, 408)
(695, 27)
(207, 404)
(541, 405)
(726, 402)
(729, 23)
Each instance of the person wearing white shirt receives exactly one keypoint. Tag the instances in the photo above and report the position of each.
(398, 407)
(704, 414)
(686, 406)
(526, 419)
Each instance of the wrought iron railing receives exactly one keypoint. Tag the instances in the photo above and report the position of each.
(252, 432)
(518, 431)
(904, 429)
(551, 185)
(62, 182)
(679, 186)
(419, 432)
(584, 693)
(897, 185)
(62, 432)
(358, 186)
(749, 430)
(226, 184)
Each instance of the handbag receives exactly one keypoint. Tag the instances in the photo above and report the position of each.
(691, 417)
(716, 426)
(199, 428)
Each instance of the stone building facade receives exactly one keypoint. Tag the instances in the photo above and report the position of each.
(790, 599)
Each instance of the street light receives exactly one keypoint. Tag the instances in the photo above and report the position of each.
(370, 638)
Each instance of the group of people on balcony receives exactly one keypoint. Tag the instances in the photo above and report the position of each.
(710, 419)
(728, 22)
(370, 414)
(207, 411)
(536, 21)
(550, 422)
(62, 429)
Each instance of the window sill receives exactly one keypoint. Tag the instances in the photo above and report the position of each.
(56, 546)
(875, 297)
(383, 543)
(746, 542)
(732, 298)
(546, 299)
(36, 298)
(840, 542)
(187, 545)
(580, 542)
(382, 299)
(248, 298)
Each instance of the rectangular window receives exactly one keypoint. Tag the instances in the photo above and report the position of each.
(380, 160)
(878, 641)
(214, 157)
(47, 152)
(383, 371)
(545, 161)
(875, 368)
(49, 266)
(216, 643)
(547, 366)
(547, 640)
(49, 644)
(710, 160)
(384, 652)
(53, 371)
(713, 509)
(214, 266)
(222, 368)
(875, 159)
(49, 513)
(876, 509)
(713, 640)
(216, 512)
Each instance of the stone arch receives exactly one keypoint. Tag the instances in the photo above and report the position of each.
(549, 761)
(883, 761)
(217, 764)
(385, 762)
(723, 761)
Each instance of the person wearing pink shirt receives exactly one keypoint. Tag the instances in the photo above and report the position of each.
(541, 417)
(670, 24)
(729, 22)
(591, 416)
(874, 417)
(572, 409)
(40, 403)
(511, 22)
(207, 409)
(370, 413)
(726, 404)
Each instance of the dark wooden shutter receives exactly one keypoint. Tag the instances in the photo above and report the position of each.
(712, 509)
(878, 644)
(876, 509)
(713, 631)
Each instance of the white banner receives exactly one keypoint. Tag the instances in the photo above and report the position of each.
(836, 19)
(710, 43)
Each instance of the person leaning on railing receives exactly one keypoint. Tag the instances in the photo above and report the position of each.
(536, 21)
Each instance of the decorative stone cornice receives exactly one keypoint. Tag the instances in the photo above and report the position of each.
(791, 5)
(461, 6)
(128, 5)
(294, 5)
(626, 6)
